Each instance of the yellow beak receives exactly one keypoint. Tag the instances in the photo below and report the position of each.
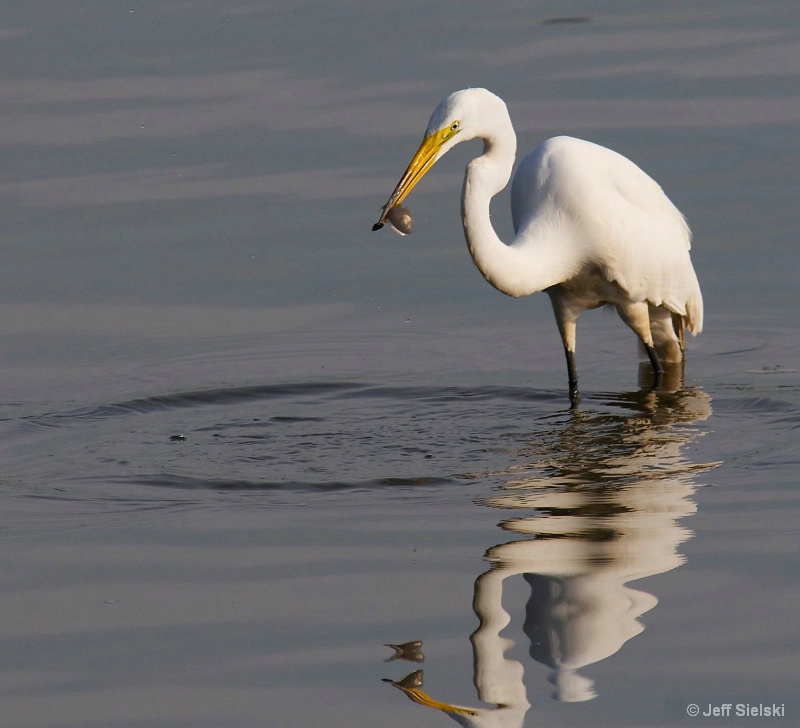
(422, 161)
(411, 684)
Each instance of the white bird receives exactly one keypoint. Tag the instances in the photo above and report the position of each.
(591, 228)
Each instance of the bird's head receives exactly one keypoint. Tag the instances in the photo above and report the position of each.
(459, 117)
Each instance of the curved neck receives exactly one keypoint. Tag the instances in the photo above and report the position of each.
(484, 177)
(514, 269)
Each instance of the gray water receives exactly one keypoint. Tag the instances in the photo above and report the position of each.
(246, 442)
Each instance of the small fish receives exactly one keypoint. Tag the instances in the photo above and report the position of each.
(399, 218)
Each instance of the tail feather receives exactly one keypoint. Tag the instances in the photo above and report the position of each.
(694, 310)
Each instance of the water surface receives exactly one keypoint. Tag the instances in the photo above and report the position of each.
(246, 442)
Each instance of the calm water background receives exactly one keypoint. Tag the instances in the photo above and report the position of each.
(246, 441)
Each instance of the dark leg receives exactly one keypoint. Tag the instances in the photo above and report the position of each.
(566, 319)
(658, 369)
(572, 372)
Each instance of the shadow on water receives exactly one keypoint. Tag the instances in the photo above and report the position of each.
(593, 505)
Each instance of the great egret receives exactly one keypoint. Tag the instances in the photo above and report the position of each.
(591, 228)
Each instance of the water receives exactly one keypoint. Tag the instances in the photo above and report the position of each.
(246, 442)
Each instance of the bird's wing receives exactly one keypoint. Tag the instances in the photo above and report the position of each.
(647, 248)
(613, 216)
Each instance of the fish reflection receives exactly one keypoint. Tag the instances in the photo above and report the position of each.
(411, 651)
(600, 500)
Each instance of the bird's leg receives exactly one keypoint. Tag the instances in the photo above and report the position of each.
(637, 316)
(566, 320)
(572, 372)
(658, 369)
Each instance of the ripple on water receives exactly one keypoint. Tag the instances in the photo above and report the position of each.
(284, 437)
(318, 436)
(284, 442)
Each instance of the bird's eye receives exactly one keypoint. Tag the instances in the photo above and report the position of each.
(455, 125)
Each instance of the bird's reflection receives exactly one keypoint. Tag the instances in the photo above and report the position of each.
(600, 498)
